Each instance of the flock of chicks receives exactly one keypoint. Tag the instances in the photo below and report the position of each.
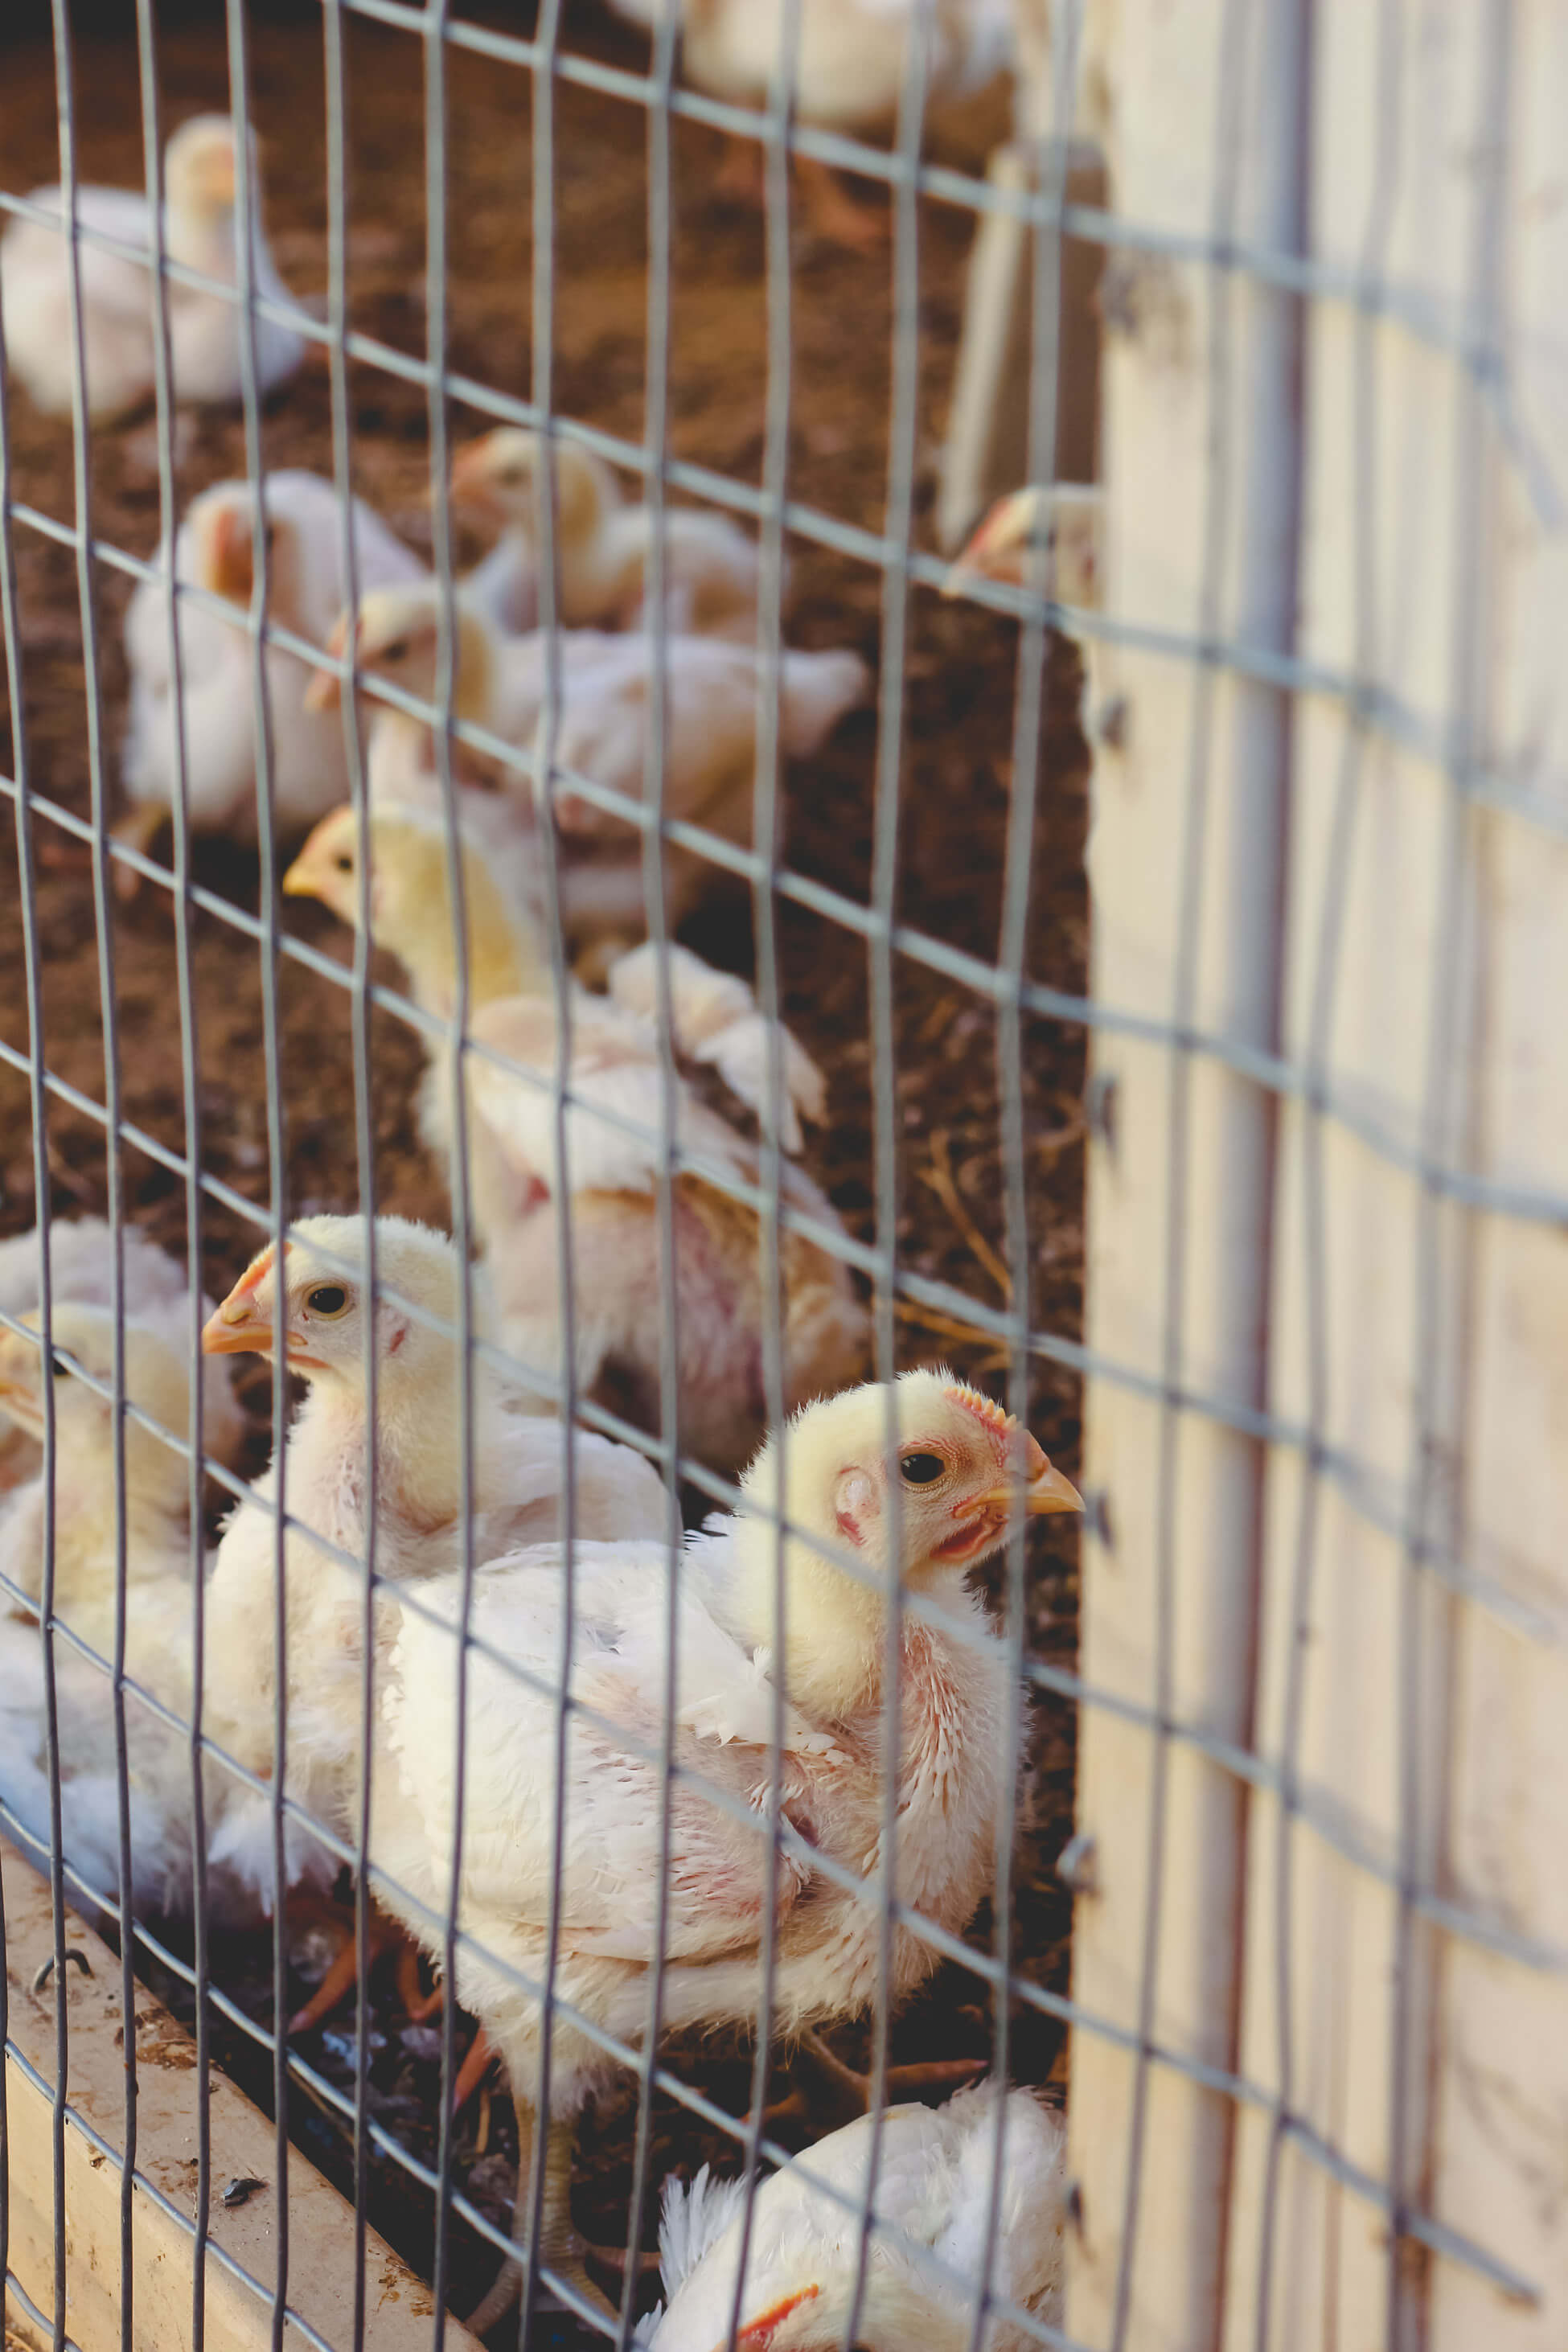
(547, 1542)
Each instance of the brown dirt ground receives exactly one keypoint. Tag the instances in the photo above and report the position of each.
(954, 792)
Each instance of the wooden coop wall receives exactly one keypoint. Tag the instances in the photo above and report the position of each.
(1346, 1899)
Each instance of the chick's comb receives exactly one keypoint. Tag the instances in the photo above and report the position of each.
(257, 1272)
(998, 1424)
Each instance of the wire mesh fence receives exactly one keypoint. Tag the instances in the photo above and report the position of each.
(660, 1809)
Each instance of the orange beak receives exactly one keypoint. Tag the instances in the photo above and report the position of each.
(996, 550)
(469, 489)
(235, 1328)
(759, 2333)
(1046, 1489)
(325, 691)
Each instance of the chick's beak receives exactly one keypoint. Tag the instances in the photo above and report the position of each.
(994, 550)
(1046, 1489)
(325, 692)
(469, 486)
(233, 562)
(236, 1329)
(305, 877)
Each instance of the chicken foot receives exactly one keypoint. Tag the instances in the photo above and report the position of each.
(833, 214)
(559, 2249)
(139, 828)
(382, 1935)
(851, 2090)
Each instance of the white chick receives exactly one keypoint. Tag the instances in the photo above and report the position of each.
(603, 731)
(119, 312)
(163, 1560)
(156, 1295)
(962, 1467)
(615, 1076)
(216, 548)
(518, 1473)
(851, 67)
(604, 549)
(933, 2193)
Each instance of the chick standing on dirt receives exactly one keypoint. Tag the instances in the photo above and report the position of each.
(216, 548)
(961, 1468)
(119, 315)
(604, 549)
(933, 2199)
(616, 1077)
(416, 1447)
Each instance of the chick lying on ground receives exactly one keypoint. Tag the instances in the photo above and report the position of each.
(961, 1468)
(216, 709)
(119, 315)
(933, 2200)
(156, 1294)
(615, 1076)
(601, 732)
(162, 1555)
(605, 549)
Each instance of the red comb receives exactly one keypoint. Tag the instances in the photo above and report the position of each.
(999, 1425)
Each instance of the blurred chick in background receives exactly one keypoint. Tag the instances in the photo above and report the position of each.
(216, 548)
(156, 1292)
(604, 726)
(605, 549)
(119, 314)
(961, 1468)
(616, 1076)
(932, 2198)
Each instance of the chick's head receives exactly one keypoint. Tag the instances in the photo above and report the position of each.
(223, 523)
(156, 1383)
(495, 480)
(411, 901)
(321, 1281)
(199, 166)
(960, 1467)
(398, 637)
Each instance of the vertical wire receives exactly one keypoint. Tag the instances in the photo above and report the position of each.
(1233, 46)
(364, 1123)
(1366, 334)
(1446, 1088)
(655, 788)
(765, 838)
(434, 64)
(81, 453)
(247, 233)
(1013, 950)
(902, 423)
(32, 964)
(147, 68)
(547, 37)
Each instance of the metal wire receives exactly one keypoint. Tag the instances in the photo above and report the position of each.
(1256, 653)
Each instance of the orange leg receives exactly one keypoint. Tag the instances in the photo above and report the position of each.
(473, 2069)
(852, 2091)
(739, 179)
(833, 214)
(417, 2004)
(139, 828)
(343, 1975)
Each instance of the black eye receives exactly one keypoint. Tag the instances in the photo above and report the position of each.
(62, 1370)
(921, 1469)
(345, 863)
(397, 651)
(328, 1299)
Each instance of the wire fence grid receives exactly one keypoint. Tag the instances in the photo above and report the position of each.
(1235, 645)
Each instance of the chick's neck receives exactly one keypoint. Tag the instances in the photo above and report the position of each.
(499, 965)
(835, 1625)
(419, 1454)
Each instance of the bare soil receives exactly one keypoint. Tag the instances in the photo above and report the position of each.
(955, 777)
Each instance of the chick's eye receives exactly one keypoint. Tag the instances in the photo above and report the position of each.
(61, 1368)
(397, 651)
(328, 1299)
(921, 1469)
(344, 862)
